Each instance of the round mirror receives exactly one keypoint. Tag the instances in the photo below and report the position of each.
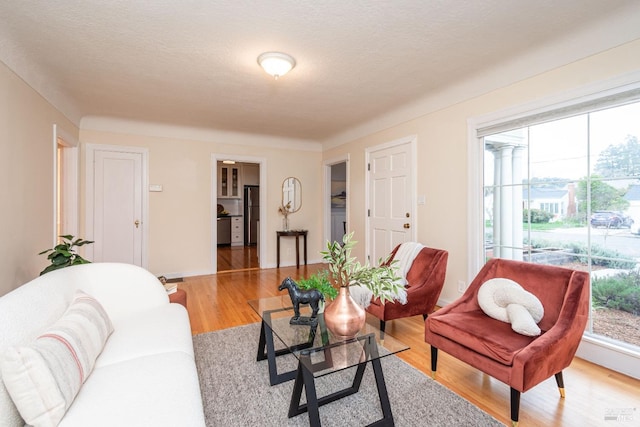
(292, 194)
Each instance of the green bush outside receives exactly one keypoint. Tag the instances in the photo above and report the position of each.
(538, 216)
(619, 292)
(601, 257)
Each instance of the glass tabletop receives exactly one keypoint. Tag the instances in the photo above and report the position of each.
(315, 346)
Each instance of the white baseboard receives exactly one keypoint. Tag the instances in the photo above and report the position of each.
(611, 356)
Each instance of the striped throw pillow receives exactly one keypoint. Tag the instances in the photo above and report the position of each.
(44, 378)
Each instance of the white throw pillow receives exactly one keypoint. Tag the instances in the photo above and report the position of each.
(505, 300)
(44, 378)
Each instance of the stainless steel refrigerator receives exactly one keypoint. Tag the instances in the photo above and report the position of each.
(251, 213)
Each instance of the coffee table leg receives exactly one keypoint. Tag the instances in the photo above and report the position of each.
(266, 340)
(387, 416)
(305, 378)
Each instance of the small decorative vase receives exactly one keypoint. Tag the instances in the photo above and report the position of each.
(285, 223)
(343, 316)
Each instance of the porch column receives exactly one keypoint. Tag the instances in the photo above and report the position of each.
(517, 172)
(506, 201)
(496, 202)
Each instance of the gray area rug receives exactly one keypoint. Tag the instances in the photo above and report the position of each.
(236, 391)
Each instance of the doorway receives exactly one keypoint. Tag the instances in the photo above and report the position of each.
(66, 184)
(336, 176)
(237, 193)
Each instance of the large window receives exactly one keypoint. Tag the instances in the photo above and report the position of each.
(566, 191)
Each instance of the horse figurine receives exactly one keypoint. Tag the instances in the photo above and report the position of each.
(299, 296)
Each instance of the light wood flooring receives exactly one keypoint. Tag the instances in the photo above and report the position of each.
(220, 301)
(237, 258)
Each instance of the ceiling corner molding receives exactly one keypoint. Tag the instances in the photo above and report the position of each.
(31, 73)
(163, 130)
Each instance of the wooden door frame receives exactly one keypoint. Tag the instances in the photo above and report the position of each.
(89, 194)
(413, 151)
(69, 184)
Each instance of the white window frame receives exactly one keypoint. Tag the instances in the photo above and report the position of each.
(583, 99)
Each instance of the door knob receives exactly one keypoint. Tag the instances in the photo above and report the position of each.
(407, 225)
(137, 223)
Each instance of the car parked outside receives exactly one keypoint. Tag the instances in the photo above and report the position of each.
(611, 219)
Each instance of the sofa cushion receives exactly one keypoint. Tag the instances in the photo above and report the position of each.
(156, 390)
(152, 331)
(482, 334)
(44, 378)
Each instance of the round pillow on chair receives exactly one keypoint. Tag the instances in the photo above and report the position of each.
(505, 300)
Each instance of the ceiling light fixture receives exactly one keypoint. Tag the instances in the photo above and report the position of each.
(229, 162)
(276, 63)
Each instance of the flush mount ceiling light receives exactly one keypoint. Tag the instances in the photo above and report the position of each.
(229, 162)
(276, 63)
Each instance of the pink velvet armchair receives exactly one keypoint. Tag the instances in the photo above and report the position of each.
(425, 280)
(464, 331)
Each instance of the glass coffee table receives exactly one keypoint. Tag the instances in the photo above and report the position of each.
(319, 353)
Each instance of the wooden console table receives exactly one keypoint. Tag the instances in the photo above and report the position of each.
(296, 234)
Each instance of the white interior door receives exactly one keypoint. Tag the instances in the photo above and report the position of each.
(118, 214)
(391, 191)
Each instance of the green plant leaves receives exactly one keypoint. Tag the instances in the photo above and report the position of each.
(64, 254)
(345, 270)
(321, 282)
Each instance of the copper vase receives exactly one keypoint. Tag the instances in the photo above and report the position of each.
(343, 316)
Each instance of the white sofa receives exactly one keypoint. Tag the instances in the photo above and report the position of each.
(146, 373)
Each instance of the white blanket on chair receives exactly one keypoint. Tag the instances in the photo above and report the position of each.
(405, 255)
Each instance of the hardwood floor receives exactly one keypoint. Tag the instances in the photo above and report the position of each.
(237, 258)
(220, 302)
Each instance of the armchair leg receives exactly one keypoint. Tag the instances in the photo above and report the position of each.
(383, 325)
(515, 407)
(434, 361)
(560, 382)
(424, 316)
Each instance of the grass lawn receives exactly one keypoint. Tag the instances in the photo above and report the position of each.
(552, 225)
(546, 226)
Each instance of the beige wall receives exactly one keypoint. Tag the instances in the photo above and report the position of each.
(442, 154)
(181, 216)
(26, 173)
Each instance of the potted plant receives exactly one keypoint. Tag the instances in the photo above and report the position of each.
(343, 316)
(64, 254)
(321, 282)
(285, 210)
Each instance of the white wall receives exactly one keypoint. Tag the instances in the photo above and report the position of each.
(26, 174)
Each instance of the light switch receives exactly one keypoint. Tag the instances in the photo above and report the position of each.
(155, 187)
(421, 200)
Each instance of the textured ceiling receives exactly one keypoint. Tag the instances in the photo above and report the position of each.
(193, 62)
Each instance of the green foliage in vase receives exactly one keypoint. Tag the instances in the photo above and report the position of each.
(64, 254)
(345, 270)
(321, 282)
